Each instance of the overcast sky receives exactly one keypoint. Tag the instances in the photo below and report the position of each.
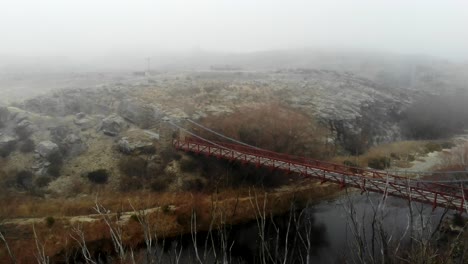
(61, 27)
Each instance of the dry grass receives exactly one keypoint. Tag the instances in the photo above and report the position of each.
(403, 151)
(226, 207)
(22, 205)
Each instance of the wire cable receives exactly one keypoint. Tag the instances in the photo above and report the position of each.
(247, 145)
(223, 136)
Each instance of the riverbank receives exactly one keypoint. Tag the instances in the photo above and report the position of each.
(55, 234)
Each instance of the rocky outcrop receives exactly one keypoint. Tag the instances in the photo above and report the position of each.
(84, 121)
(75, 145)
(24, 129)
(138, 142)
(46, 148)
(113, 125)
(139, 113)
(72, 101)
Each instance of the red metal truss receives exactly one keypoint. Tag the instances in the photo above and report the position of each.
(442, 195)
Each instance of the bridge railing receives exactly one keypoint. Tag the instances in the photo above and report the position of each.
(332, 167)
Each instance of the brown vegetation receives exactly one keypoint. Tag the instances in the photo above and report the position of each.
(274, 127)
(227, 207)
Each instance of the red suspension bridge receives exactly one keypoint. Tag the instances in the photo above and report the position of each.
(448, 194)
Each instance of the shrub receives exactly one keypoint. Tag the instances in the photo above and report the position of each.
(50, 221)
(158, 185)
(166, 209)
(188, 165)
(379, 163)
(54, 170)
(395, 156)
(133, 166)
(458, 220)
(27, 146)
(134, 217)
(447, 144)
(55, 158)
(168, 155)
(128, 184)
(8, 149)
(42, 181)
(432, 146)
(98, 176)
(24, 179)
(195, 185)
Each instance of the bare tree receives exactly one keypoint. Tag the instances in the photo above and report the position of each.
(41, 257)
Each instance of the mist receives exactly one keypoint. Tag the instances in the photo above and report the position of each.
(89, 30)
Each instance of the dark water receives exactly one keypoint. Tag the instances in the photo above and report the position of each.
(320, 233)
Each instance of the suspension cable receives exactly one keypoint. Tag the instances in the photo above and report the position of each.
(247, 145)
(199, 137)
(223, 136)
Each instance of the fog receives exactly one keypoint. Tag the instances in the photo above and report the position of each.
(86, 29)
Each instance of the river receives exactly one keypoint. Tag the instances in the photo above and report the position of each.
(323, 233)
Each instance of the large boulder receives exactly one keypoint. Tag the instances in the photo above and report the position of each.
(7, 145)
(139, 113)
(84, 121)
(127, 146)
(46, 148)
(113, 125)
(75, 145)
(138, 142)
(24, 129)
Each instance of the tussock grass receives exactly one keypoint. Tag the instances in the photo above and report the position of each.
(402, 152)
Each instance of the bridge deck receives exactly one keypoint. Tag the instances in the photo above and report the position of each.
(442, 195)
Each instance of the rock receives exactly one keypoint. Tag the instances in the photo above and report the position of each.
(46, 148)
(112, 125)
(137, 142)
(75, 145)
(59, 133)
(139, 113)
(80, 115)
(83, 121)
(128, 146)
(24, 129)
(7, 145)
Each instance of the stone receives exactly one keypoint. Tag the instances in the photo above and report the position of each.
(24, 129)
(46, 148)
(75, 145)
(139, 113)
(129, 146)
(84, 121)
(112, 125)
